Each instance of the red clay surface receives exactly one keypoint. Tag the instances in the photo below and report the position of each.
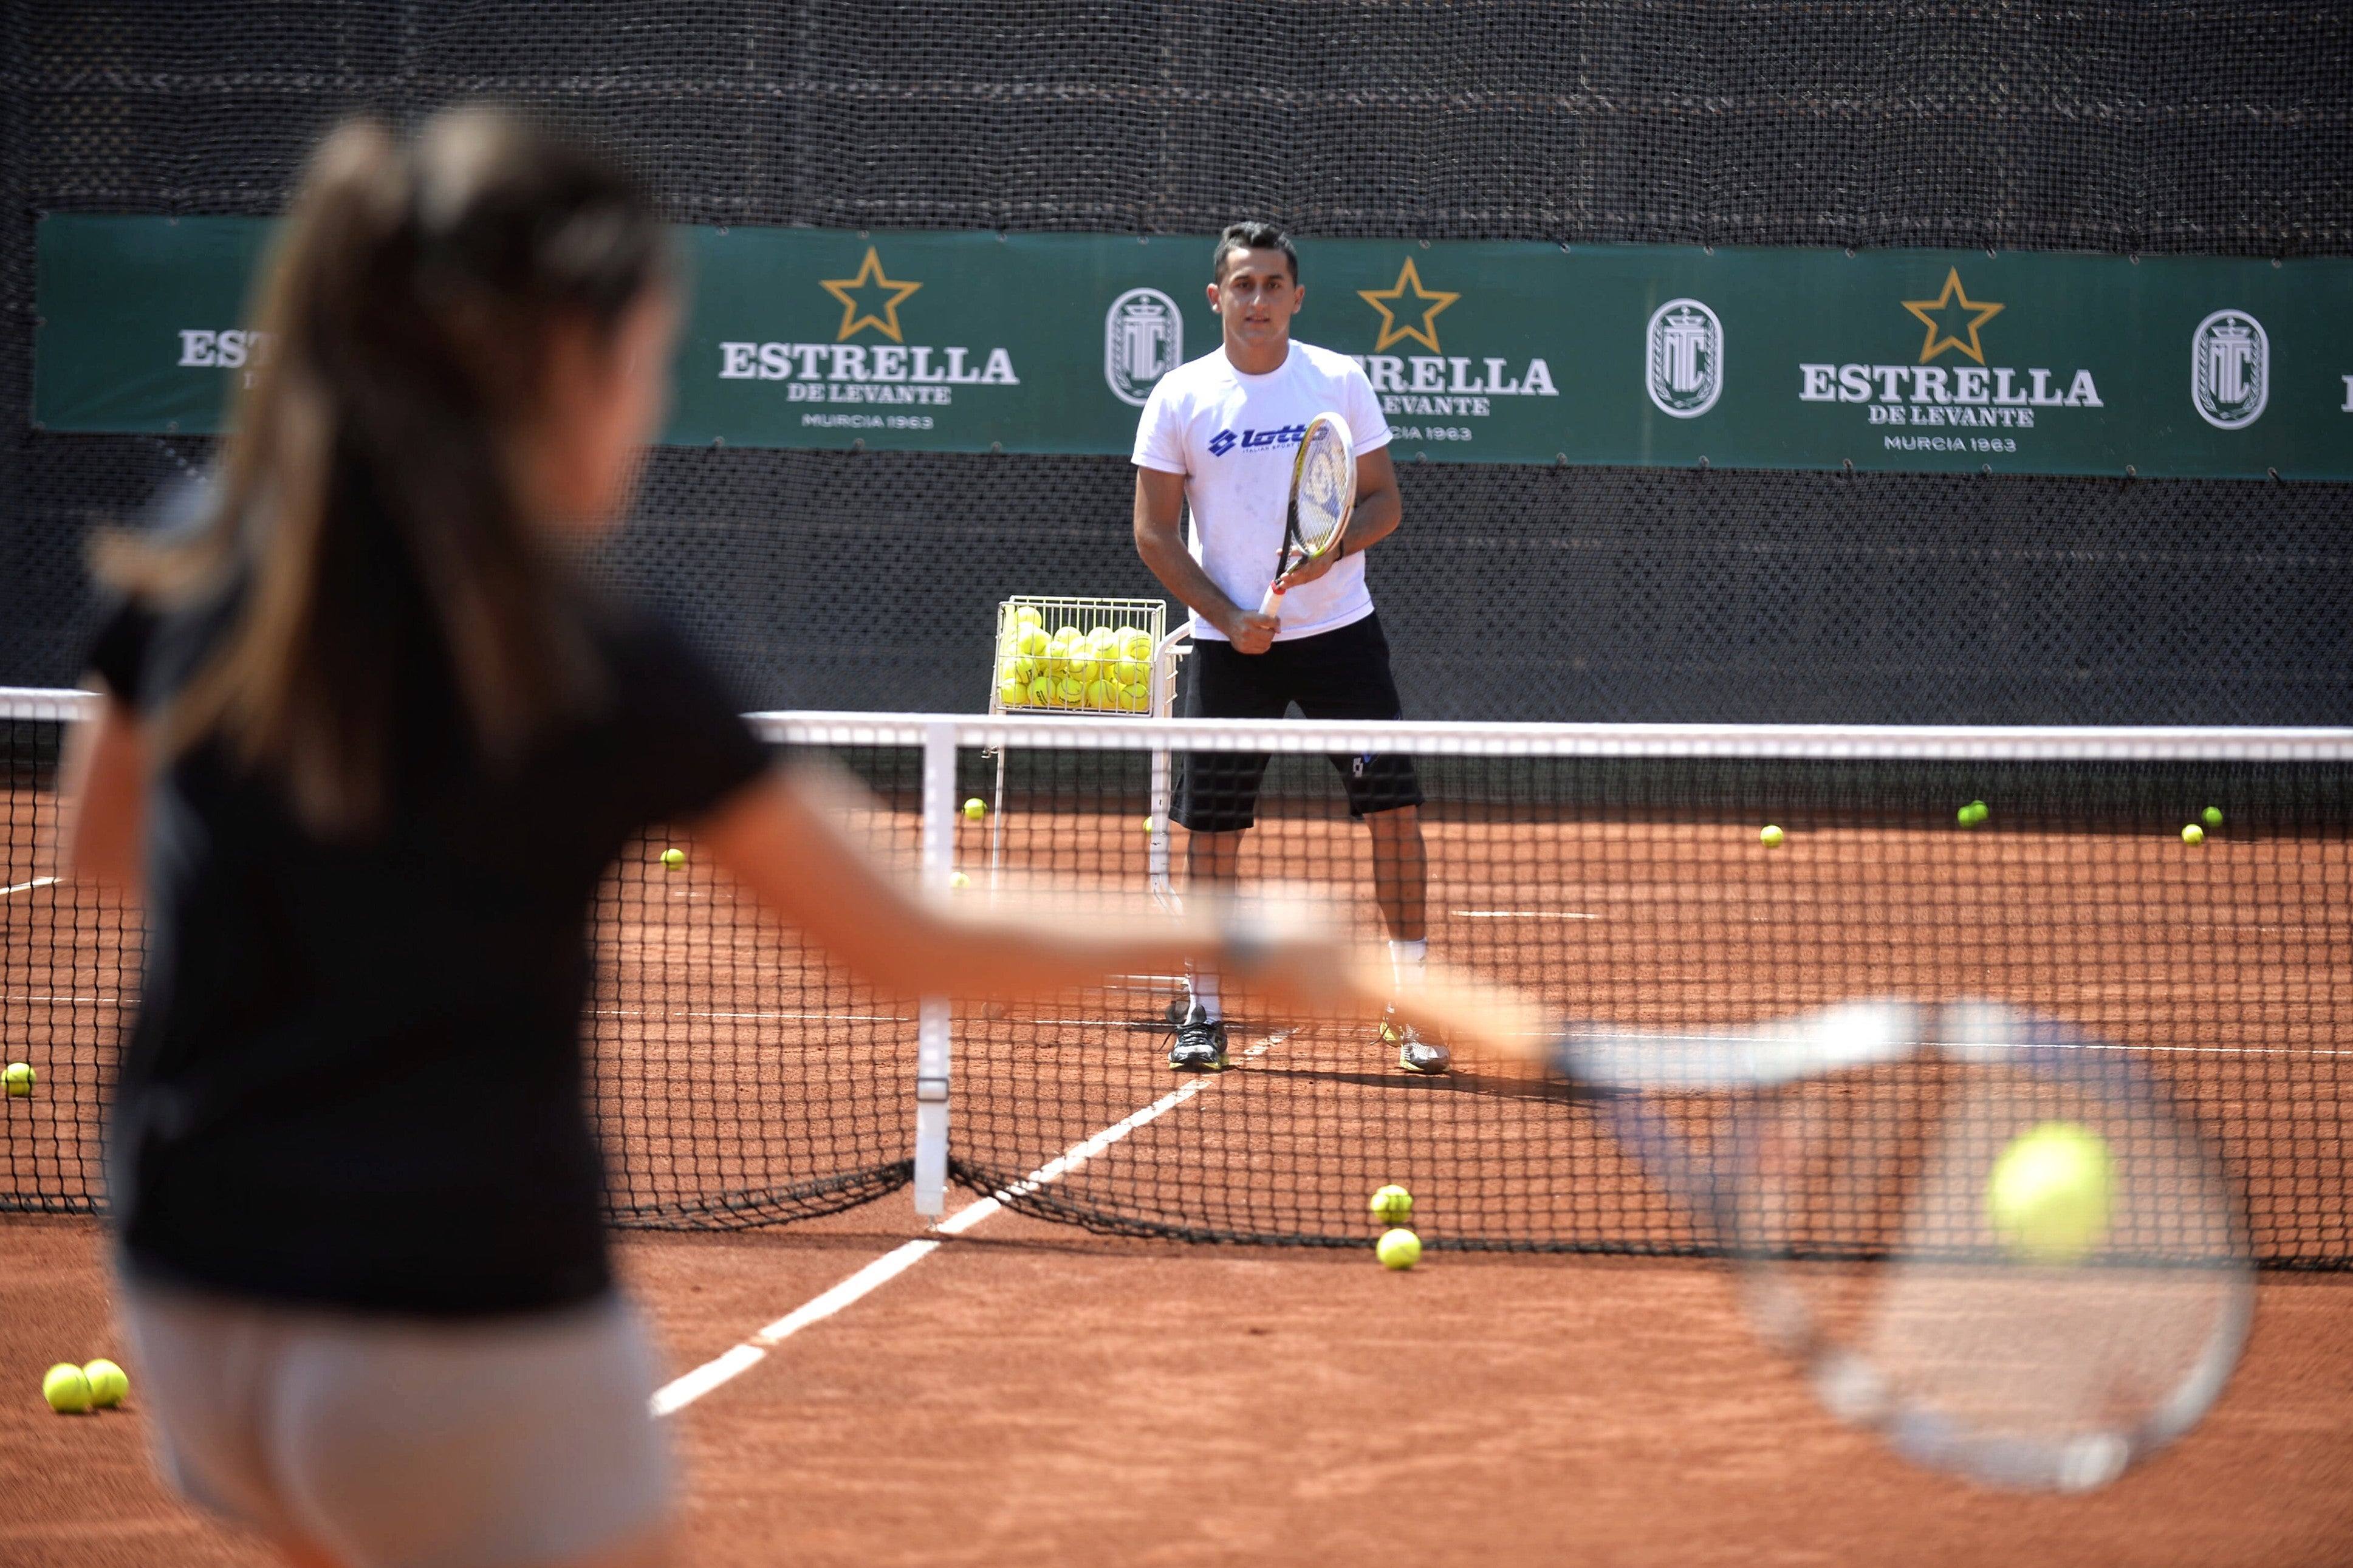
(1030, 1395)
(1033, 1395)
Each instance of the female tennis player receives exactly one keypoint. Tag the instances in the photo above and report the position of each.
(367, 748)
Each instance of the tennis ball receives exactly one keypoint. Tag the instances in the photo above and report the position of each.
(1127, 672)
(1150, 826)
(2212, 817)
(2193, 834)
(958, 880)
(1135, 699)
(1042, 691)
(1014, 693)
(1027, 616)
(976, 808)
(1771, 838)
(1080, 663)
(67, 1389)
(1397, 1249)
(1136, 644)
(2047, 1196)
(673, 857)
(1071, 692)
(1030, 642)
(20, 1079)
(1392, 1204)
(1102, 696)
(1973, 814)
(108, 1382)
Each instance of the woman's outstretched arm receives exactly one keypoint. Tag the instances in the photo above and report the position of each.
(775, 838)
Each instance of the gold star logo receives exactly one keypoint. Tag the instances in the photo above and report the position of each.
(848, 290)
(1392, 329)
(1938, 312)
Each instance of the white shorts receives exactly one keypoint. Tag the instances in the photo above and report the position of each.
(402, 1442)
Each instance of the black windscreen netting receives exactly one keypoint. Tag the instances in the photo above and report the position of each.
(864, 580)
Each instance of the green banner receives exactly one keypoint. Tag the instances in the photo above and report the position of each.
(1503, 352)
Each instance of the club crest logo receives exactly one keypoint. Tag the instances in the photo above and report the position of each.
(1686, 358)
(1144, 340)
(2230, 369)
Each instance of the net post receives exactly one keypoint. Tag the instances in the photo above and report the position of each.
(932, 1034)
(1164, 705)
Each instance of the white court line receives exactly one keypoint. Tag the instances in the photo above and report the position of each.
(688, 1387)
(28, 887)
(1523, 915)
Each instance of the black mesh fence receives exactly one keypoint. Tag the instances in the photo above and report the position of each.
(863, 580)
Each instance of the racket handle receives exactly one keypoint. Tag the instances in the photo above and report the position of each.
(1272, 604)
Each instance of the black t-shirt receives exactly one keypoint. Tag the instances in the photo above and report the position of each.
(356, 1076)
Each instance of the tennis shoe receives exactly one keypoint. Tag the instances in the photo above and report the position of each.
(1415, 1053)
(1200, 1045)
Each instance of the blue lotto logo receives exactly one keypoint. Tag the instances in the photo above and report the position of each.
(1225, 441)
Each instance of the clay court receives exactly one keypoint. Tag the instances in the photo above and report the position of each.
(1037, 1391)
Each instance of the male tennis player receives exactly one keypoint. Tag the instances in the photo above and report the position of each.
(1219, 433)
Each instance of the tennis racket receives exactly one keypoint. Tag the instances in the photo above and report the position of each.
(1322, 493)
(1871, 1171)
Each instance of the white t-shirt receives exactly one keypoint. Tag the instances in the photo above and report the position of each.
(1233, 436)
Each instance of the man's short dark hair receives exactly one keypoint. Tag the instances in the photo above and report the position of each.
(1251, 235)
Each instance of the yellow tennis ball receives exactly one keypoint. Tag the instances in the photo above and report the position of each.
(673, 857)
(1030, 642)
(1397, 1249)
(1392, 1204)
(1041, 692)
(1771, 838)
(1135, 699)
(976, 808)
(1071, 692)
(1080, 663)
(2212, 817)
(1102, 696)
(1013, 693)
(1028, 616)
(108, 1382)
(2048, 1195)
(66, 1388)
(20, 1079)
(1150, 826)
(1127, 672)
(1137, 646)
(958, 880)
(2193, 834)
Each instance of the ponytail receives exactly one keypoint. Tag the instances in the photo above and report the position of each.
(368, 515)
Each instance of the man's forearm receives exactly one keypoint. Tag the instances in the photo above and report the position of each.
(1182, 575)
(1374, 518)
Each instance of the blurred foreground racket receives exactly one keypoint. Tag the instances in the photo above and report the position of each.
(1322, 493)
(1990, 1240)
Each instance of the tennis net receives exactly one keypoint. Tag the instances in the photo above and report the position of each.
(1618, 871)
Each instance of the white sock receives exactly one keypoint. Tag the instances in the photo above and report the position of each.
(1412, 962)
(1203, 985)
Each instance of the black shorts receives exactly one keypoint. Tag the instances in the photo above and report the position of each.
(1340, 674)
